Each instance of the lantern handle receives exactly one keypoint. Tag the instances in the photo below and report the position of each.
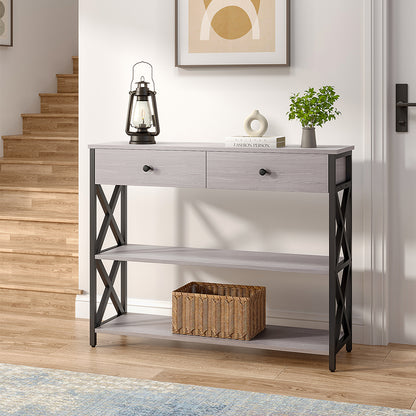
(151, 74)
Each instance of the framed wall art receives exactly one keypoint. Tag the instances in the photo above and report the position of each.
(232, 32)
(6, 22)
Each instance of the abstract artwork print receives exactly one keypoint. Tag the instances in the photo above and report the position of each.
(6, 23)
(232, 32)
(232, 26)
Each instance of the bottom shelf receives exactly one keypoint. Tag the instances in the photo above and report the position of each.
(280, 338)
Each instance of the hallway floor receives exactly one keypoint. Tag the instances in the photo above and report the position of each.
(383, 376)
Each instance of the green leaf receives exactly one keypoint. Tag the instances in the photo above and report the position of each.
(314, 108)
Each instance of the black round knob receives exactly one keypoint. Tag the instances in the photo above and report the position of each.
(146, 168)
(263, 172)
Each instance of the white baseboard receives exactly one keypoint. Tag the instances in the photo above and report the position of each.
(152, 307)
(274, 316)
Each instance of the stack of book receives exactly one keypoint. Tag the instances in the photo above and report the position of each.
(249, 142)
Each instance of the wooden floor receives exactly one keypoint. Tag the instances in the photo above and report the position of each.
(384, 376)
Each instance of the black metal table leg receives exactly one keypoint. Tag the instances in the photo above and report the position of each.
(340, 259)
(123, 287)
(349, 241)
(96, 245)
(93, 235)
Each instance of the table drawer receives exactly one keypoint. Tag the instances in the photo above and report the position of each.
(285, 172)
(168, 168)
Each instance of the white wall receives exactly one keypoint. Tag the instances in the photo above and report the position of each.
(327, 44)
(45, 37)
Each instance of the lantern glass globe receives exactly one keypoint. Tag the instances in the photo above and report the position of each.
(142, 117)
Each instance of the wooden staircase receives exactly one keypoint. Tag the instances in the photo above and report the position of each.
(39, 207)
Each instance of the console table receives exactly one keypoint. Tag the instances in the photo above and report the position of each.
(325, 170)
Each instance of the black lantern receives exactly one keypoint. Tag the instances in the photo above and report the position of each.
(142, 119)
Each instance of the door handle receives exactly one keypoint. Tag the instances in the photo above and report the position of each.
(402, 106)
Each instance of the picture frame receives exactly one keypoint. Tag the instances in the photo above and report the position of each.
(245, 33)
(6, 22)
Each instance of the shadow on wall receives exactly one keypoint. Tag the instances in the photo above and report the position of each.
(292, 222)
(262, 214)
(264, 221)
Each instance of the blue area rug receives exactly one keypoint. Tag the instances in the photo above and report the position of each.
(27, 391)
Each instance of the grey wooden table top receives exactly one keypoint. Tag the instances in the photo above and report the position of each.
(219, 147)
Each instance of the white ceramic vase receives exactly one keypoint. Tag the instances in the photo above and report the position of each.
(255, 115)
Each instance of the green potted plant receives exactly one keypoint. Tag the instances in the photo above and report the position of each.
(314, 108)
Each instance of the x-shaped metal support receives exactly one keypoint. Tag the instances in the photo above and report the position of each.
(118, 268)
(341, 241)
(109, 220)
(340, 215)
(109, 291)
(342, 318)
(108, 279)
(340, 259)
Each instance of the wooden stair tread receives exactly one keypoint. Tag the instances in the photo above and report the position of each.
(64, 269)
(67, 75)
(37, 304)
(38, 288)
(58, 94)
(50, 115)
(36, 147)
(38, 284)
(36, 173)
(36, 215)
(23, 205)
(63, 102)
(75, 65)
(41, 249)
(17, 161)
(34, 137)
(23, 184)
(64, 189)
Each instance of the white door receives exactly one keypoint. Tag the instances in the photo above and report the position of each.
(401, 158)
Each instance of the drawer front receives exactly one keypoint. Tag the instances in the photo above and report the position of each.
(168, 168)
(285, 172)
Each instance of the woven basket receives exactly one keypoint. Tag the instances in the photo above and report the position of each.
(217, 310)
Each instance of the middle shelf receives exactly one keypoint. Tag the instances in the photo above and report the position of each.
(235, 259)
